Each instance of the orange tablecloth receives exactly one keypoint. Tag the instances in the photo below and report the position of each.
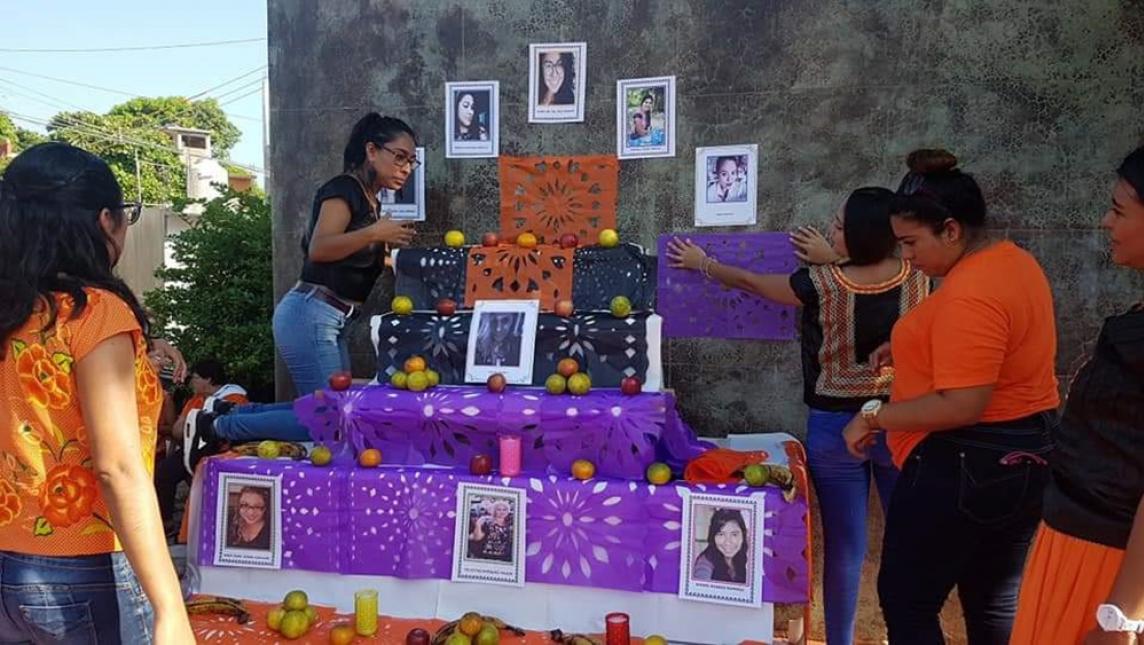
(224, 630)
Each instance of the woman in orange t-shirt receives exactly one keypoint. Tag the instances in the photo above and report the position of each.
(972, 406)
(82, 554)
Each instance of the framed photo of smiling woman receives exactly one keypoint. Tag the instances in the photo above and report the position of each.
(557, 73)
(472, 119)
(248, 521)
(721, 559)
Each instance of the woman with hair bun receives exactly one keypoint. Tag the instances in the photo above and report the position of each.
(971, 410)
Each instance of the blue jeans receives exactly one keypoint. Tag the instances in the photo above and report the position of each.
(310, 336)
(842, 484)
(85, 599)
(258, 421)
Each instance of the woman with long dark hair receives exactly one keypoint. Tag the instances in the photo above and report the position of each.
(725, 557)
(79, 523)
(345, 248)
(469, 112)
(556, 81)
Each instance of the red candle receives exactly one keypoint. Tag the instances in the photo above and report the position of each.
(509, 455)
(617, 629)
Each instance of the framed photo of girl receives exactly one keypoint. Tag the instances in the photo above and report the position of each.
(557, 74)
(408, 202)
(472, 119)
(248, 521)
(722, 556)
(502, 339)
(488, 543)
(726, 185)
(645, 117)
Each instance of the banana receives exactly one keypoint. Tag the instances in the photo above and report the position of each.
(558, 636)
(445, 631)
(289, 449)
(220, 605)
(500, 625)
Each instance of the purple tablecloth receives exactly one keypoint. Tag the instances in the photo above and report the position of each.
(400, 521)
(447, 425)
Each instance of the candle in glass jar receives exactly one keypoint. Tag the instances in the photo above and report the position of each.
(617, 632)
(509, 455)
(365, 612)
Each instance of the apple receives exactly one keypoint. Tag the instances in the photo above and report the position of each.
(446, 307)
(480, 465)
(631, 386)
(563, 308)
(490, 239)
(556, 384)
(579, 383)
(417, 636)
(567, 367)
(496, 383)
(341, 381)
(569, 241)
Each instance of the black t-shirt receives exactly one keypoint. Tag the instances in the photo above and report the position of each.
(842, 324)
(351, 278)
(1098, 461)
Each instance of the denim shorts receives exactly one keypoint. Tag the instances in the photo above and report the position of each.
(82, 599)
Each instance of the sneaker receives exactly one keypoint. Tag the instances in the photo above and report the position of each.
(219, 407)
(199, 439)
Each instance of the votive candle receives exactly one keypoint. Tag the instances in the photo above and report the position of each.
(617, 630)
(509, 455)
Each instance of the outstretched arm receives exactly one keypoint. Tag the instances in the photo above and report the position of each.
(683, 254)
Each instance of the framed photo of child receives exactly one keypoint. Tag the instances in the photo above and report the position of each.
(726, 185)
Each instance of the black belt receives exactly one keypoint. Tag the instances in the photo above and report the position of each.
(325, 295)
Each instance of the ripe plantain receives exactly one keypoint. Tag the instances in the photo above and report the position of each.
(220, 605)
(558, 636)
(501, 625)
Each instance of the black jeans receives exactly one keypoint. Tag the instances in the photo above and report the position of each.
(169, 473)
(963, 514)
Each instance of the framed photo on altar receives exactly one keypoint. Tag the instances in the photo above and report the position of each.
(502, 339)
(557, 74)
(408, 202)
(721, 559)
(488, 544)
(472, 119)
(645, 117)
(248, 521)
(726, 185)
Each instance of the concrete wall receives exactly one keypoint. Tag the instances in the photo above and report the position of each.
(1039, 98)
(144, 251)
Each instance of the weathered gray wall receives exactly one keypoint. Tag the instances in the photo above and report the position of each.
(1039, 98)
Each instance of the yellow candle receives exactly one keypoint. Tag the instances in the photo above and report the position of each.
(365, 612)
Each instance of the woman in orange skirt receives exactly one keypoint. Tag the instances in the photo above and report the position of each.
(1084, 582)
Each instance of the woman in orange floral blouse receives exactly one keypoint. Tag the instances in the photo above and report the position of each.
(82, 553)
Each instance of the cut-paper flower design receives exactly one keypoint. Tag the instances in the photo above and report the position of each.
(541, 273)
(551, 196)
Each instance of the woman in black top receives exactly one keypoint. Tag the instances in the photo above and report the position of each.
(1084, 580)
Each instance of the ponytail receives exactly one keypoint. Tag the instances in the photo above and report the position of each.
(376, 129)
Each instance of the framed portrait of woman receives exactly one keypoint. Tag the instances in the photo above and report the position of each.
(472, 119)
(489, 535)
(502, 339)
(557, 74)
(721, 559)
(645, 117)
(248, 521)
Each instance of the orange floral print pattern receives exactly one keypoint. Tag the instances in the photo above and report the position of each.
(44, 376)
(147, 385)
(68, 494)
(10, 506)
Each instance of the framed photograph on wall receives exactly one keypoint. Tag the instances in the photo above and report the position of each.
(488, 543)
(472, 119)
(721, 559)
(248, 521)
(557, 74)
(726, 185)
(645, 117)
(407, 202)
(502, 339)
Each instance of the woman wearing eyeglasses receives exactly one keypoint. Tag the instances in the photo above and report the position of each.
(249, 526)
(345, 247)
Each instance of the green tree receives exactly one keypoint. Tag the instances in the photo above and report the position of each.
(218, 298)
(153, 113)
(27, 138)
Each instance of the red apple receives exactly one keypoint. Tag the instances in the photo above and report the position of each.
(569, 241)
(341, 381)
(496, 383)
(631, 386)
(563, 308)
(480, 465)
(490, 239)
(417, 636)
(446, 307)
(567, 367)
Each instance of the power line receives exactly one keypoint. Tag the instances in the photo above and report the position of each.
(55, 101)
(240, 88)
(215, 43)
(225, 83)
(67, 82)
(239, 98)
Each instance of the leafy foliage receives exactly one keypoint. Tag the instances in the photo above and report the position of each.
(218, 298)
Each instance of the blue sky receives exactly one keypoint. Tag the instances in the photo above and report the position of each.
(74, 24)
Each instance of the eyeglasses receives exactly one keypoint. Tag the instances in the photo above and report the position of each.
(133, 211)
(551, 68)
(402, 159)
(250, 507)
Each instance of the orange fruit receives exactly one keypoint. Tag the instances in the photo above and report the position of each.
(579, 383)
(526, 240)
(294, 625)
(567, 367)
(583, 469)
(434, 377)
(399, 380)
(274, 618)
(417, 381)
(415, 364)
(655, 640)
(658, 473)
(556, 384)
(471, 623)
(369, 458)
(342, 634)
(296, 599)
(608, 238)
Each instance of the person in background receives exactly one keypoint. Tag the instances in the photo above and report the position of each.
(972, 408)
(345, 250)
(1084, 582)
(725, 557)
(82, 553)
(848, 310)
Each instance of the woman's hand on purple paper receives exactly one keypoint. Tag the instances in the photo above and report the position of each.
(684, 254)
(859, 436)
(812, 247)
